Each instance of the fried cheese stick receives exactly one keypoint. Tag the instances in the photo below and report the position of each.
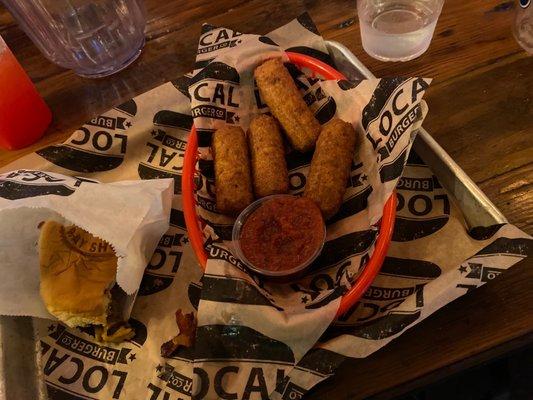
(330, 166)
(233, 182)
(280, 93)
(269, 168)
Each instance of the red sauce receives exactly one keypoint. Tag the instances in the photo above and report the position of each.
(282, 233)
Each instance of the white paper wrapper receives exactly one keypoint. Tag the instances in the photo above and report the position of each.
(246, 347)
(140, 213)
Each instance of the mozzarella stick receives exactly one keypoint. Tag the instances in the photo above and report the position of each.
(330, 166)
(269, 168)
(233, 183)
(280, 93)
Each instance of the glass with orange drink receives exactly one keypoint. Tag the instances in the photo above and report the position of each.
(24, 116)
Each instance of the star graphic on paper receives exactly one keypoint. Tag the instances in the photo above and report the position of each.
(462, 269)
(237, 118)
(128, 124)
(51, 328)
(185, 240)
(364, 177)
(132, 356)
(159, 368)
(305, 299)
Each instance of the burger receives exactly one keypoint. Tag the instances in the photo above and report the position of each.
(78, 281)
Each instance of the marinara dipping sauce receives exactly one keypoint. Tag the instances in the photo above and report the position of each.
(279, 235)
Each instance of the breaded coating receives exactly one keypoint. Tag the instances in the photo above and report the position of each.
(330, 166)
(269, 168)
(233, 181)
(280, 93)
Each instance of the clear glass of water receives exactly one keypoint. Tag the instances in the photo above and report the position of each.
(397, 30)
(94, 38)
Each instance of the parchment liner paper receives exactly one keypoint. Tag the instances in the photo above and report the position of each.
(256, 340)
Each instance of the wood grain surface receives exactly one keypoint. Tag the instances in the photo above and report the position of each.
(480, 112)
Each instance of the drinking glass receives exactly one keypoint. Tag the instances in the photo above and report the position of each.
(92, 37)
(397, 30)
(24, 116)
(523, 25)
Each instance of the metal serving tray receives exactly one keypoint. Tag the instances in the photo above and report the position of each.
(20, 371)
(478, 210)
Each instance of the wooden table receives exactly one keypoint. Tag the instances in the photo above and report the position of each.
(480, 112)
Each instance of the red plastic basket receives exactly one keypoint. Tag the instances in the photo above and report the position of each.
(194, 228)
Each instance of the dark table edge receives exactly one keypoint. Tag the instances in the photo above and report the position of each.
(491, 354)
